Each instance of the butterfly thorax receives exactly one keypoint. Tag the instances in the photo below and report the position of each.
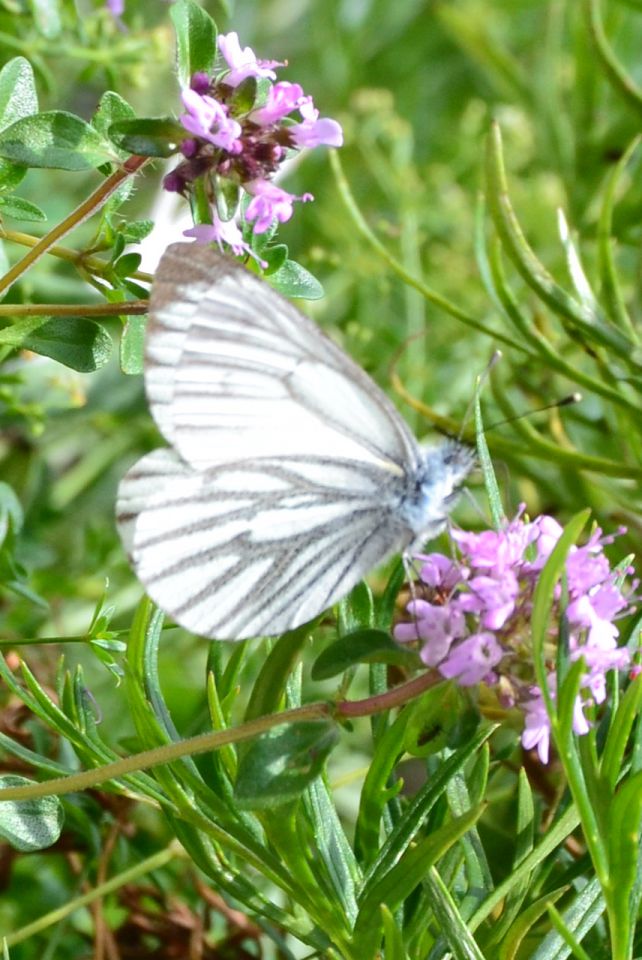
(433, 488)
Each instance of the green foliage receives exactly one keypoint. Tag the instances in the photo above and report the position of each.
(404, 829)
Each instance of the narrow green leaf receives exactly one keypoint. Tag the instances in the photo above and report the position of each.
(589, 322)
(132, 345)
(356, 611)
(585, 911)
(29, 825)
(293, 280)
(512, 941)
(47, 17)
(21, 209)
(79, 343)
(624, 839)
(269, 686)
(147, 136)
(57, 140)
(18, 97)
(279, 765)
(620, 730)
(11, 513)
(332, 845)
(569, 939)
(452, 925)
(393, 938)
(406, 830)
(379, 786)
(612, 294)
(407, 872)
(620, 80)
(386, 603)
(362, 646)
(490, 481)
(195, 40)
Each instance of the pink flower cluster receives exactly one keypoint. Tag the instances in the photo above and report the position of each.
(231, 140)
(475, 626)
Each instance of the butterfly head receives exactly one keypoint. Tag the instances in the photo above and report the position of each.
(435, 488)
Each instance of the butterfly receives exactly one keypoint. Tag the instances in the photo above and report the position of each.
(289, 474)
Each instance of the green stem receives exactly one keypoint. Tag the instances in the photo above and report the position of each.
(82, 212)
(615, 72)
(152, 863)
(93, 265)
(124, 308)
(430, 295)
(215, 739)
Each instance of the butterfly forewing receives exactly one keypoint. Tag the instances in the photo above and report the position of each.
(234, 371)
(290, 474)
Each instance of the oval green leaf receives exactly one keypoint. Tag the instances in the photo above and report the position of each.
(29, 825)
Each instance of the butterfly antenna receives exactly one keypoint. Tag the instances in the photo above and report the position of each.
(567, 401)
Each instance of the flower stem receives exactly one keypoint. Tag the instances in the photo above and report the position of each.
(127, 308)
(92, 264)
(214, 740)
(82, 212)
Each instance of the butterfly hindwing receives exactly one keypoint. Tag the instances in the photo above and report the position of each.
(256, 547)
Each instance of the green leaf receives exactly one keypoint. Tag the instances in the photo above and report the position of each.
(46, 15)
(450, 922)
(362, 646)
(21, 209)
(293, 280)
(408, 871)
(127, 264)
(356, 611)
(589, 322)
(332, 846)
(136, 231)
(11, 174)
(57, 140)
(620, 730)
(11, 515)
(111, 109)
(393, 937)
(18, 97)
(147, 136)
(195, 40)
(29, 824)
(243, 97)
(380, 785)
(405, 832)
(78, 342)
(132, 345)
(385, 604)
(279, 765)
(269, 686)
(490, 481)
(624, 837)
(275, 257)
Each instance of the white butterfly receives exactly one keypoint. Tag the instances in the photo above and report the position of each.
(289, 473)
